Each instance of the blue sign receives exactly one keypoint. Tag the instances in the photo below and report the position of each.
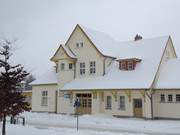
(77, 103)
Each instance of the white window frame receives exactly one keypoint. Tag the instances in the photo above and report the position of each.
(162, 98)
(177, 97)
(170, 96)
(92, 67)
(122, 103)
(81, 44)
(77, 45)
(62, 66)
(44, 98)
(108, 102)
(130, 65)
(123, 65)
(82, 68)
(70, 68)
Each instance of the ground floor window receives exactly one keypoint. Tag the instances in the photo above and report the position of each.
(108, 102)
(162, 98)
(170, 98)
(122, 102)
(44, 99)
(177, 97)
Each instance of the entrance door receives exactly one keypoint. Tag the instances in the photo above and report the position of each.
(138, 108)
(86, 103)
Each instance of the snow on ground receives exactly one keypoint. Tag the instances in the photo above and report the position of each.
(104, 123)
(30, 130)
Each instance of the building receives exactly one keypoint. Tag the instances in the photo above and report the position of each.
(138, 78)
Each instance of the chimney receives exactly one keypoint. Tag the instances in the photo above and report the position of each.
(137, 37)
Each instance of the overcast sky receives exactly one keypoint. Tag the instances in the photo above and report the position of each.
(41, 25)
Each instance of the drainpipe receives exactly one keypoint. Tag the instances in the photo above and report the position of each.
(56, 101)
(74, 70)
(152, 115)
(150, 96)
(104, 66)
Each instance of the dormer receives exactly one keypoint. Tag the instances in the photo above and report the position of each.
(128, 64)
(63, 52)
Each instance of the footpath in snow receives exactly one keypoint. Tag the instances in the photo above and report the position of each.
(104, 123)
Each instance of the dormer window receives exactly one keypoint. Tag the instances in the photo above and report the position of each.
(123, 65)
(128, 64)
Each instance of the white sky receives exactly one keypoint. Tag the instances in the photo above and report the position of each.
(41, 25)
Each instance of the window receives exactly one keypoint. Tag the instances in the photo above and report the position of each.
(122, 103)
(77, 45)
(92, 67)
(123, 65)
(82, 68)
(81, 44)
(130, 65)
(162, 98)
(177, 97)
(44, 98)
(62, 66)
(70, 66)
(170, 98)
(108, 102)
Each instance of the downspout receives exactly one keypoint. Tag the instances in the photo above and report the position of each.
(104, 66)
(56, 101)
(74, 70)
(150, 96)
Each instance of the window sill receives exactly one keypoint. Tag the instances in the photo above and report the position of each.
(44, 105)
(108, 108)
(170, 102)
(121, 109)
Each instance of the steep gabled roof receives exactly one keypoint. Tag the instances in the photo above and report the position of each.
(149, 50)
(169, 76)
(68, 52)
(91, 40)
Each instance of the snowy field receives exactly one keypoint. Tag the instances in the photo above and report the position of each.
(53, 124)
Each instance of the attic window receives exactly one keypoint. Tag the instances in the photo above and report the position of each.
(79, 45)
(128, 64)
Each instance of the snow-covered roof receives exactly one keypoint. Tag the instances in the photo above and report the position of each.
(121, 50)
(149, 51)
(169, 77)
(50, 77)
(140, 78)
(69, 52)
